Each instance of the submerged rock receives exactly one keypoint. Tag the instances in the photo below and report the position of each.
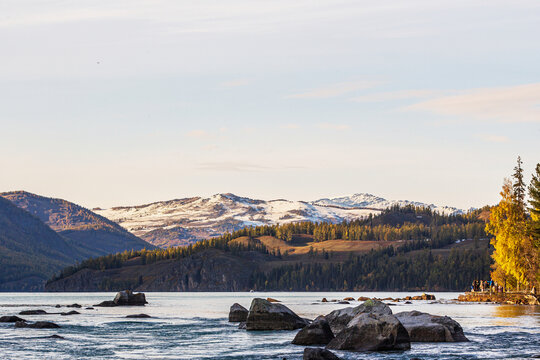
(55, 336)
(238, 313)
(10, 319)
(338, 319)
(37, 325)
(264, 315)
(72, 312)
(423, 327)
(74, 306)
(138, 316)
(372, 332)
(33, 312)
(316, 333)
(319, 354)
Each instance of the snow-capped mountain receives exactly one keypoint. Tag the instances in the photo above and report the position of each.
(376, 202)
(183, 221)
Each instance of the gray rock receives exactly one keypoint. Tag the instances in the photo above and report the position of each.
(33, 312)
(106, 303)
(74, 306)
(423, 327)
(10, 319)
(238, 313)
(318, 354)
(37, 325)
(264, 315)
(372, 332)
(318, 332)
(338, 319)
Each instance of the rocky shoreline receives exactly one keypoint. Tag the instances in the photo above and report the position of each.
(500, 298)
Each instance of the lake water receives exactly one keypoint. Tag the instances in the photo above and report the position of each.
(194, 326)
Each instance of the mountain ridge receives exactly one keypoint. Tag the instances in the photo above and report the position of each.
(187, 220)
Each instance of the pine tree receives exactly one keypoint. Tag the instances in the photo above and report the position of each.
(519, 187)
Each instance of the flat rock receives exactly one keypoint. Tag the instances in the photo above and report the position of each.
(238, 313)
(372, 332)
(264, 315)
(138, 316)
(106, 303)
(338, 319)
(37, 325)
(316, 333)
(74, 306)
(318, 354)
(33, 312)
(10, 319)
(424, 327)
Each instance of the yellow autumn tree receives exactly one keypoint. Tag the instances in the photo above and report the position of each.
(507, 223)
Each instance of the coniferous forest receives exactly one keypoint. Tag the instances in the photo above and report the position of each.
(417, 249)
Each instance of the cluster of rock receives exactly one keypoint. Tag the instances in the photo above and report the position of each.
(370, 326)
(125, 298)
(424, 296)
(501, 298)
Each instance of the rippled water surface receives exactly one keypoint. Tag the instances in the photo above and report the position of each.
(194, 326)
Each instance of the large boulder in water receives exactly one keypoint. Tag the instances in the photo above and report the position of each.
(338, 319)
(264, 315)
(126, 297)
(423, 327)
(316, 333)
(238, 313)
(372, 332)
(318, 354)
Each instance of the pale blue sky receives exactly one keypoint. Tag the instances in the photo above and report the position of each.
(125, 102)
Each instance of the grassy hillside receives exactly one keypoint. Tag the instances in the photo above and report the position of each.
(92, 234)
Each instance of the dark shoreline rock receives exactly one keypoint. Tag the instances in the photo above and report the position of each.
(138, 316)
(33, 312)
(37, 325)
(10, 319)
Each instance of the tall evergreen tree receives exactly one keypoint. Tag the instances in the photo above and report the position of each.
(519, 187)
(534, 201)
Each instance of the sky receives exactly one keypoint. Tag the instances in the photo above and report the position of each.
(113, 102)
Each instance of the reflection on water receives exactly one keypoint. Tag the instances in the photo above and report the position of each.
(194, 326)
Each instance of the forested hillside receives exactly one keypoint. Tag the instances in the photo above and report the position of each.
(403, 248)
(30, 252)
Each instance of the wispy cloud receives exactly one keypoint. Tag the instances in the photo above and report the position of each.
(290, 126)
(334, 90)
(197, 134)
(504, 104)
(398, 95)
(231, 166)
(331, 126)
(494, 138)
(235, 83)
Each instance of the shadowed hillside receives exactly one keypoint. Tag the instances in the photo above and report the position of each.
(92, 234)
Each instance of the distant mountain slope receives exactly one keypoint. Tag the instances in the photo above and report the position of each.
(376, 202)
(184, 221)
(30, 251)
(91, 233)
(181, 221)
